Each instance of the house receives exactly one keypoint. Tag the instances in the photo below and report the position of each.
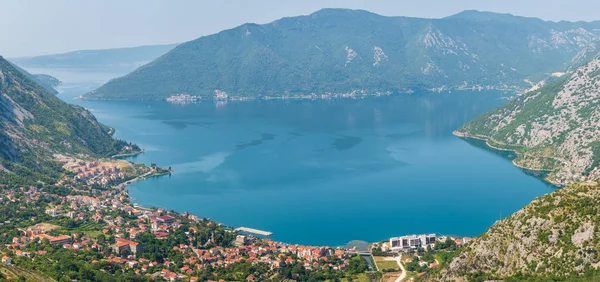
(123, 244)
(165, 219)
(161, 235)
(52, 212)
(55, 240)
(7, 260)
(459, 242)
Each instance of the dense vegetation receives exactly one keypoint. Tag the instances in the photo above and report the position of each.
(339, 51)
(44, 80)
(47, 80)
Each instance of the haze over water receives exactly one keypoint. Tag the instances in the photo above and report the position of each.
(322, 172)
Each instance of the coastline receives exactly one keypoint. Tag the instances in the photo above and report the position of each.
(122, 187)
(129, 154)
(146, 175)
(487, 143)
(356, 94)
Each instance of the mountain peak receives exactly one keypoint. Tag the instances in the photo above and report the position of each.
(310, 54)
(329, 12)
(487, 16)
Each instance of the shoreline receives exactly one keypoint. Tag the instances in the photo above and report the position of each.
(123, 186)
(129, 154)
(313, 97)
(486, 139)
(147, 175)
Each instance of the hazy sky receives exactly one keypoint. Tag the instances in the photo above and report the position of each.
(34, 27)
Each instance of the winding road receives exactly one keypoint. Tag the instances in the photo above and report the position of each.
(403, 275)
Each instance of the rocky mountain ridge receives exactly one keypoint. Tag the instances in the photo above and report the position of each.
(554, 128)
(554, 238)
(35, 125)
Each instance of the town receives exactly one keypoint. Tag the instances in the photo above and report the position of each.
(89, 214)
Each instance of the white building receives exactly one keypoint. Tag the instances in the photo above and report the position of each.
(412, 242)
(52, 212)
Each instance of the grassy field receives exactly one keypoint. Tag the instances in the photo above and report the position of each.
(91, 229)
(363, 277)
(15, 272)
(386, 263)
(391, 276)
(94, 234)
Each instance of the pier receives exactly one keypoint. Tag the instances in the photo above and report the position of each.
(254, 231)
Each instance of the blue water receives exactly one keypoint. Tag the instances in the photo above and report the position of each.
(323, 172)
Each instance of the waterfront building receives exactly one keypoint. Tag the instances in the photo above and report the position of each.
(412, 242)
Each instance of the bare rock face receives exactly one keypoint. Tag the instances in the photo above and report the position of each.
(554, 235)
(583, 234)
(555, 128)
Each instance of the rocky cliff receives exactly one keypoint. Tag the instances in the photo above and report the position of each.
(555, 128)
(556, 236)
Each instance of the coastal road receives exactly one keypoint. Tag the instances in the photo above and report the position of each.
(403, 275)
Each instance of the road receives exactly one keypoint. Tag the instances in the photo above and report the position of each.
(143, 176)
(403, 275)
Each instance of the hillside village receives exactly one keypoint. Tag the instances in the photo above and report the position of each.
(99, 223)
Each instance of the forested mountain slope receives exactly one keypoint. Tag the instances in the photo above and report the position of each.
(35, 125)
(357, 52)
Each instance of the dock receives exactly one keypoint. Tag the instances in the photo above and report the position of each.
(254, 231)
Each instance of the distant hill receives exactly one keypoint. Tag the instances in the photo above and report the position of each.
(35, 125)
(554, 128)
(129, 58)
(344, 51)
(47, 80)
(44, 80)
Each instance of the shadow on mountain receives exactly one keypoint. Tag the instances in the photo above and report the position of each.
(7, 117)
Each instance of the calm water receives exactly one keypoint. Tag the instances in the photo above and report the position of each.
(323, 172)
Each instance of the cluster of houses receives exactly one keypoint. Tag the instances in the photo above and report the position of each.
(110, 210)
(183, 98)
(96, 173)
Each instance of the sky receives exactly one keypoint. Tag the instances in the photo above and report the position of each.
(36, 27)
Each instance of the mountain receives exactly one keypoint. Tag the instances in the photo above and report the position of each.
(44, 80)
(554, 238)
(47, 80)
(128, 58)
(352, 51)
(35, 125)
(555, 128)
